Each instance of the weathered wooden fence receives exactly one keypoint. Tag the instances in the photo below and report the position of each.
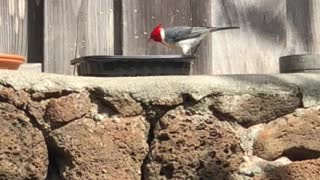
(13, 27)
(55, 31)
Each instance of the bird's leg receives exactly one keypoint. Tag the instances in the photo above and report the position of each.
(196, 49)
(189, 53)
(165, 44)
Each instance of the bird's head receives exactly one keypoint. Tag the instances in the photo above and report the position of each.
(157, 34)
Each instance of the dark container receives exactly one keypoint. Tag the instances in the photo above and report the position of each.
(154, 65)
(303, 63)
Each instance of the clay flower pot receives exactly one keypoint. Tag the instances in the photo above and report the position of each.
(11, 61)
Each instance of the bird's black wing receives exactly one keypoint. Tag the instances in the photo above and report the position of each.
(174, 34)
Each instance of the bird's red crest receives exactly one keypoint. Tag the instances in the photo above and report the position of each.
(156, 34)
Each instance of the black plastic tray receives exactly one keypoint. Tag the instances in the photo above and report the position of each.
(153, 65)
(300, 63)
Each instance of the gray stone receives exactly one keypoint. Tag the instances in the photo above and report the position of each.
(255, 166)
(248, 136)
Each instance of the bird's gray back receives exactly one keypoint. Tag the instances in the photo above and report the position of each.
(179, 33)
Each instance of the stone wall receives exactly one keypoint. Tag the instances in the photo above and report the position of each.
(199, 127)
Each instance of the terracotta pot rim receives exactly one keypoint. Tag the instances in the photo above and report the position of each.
(3, 60)
(12, 57)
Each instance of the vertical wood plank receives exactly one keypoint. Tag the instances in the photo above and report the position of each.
(201, 16)
(76, 28)
(315, 23)
(257, 46)
(139, 18)
(60, 31)
(96, 28)
(118, 27)
(35, 31)
(303, 26)
(13, 27)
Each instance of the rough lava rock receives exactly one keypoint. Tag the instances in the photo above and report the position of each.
(190, 146)
(98, 128)
(110, 149)
(23, 152)
(302, 170)
(17, 98)
(67, 108)
(124, 104)
(295, 136)
(249, 109)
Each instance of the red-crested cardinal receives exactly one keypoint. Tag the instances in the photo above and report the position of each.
(183, 37)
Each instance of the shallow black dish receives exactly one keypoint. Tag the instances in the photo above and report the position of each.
(301, 63)
(152, 65)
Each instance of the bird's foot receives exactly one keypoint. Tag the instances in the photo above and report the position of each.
(196, 49)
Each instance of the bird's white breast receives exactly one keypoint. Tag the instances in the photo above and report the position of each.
(187, 44)
(162, 34)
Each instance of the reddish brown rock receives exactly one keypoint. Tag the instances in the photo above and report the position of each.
(300, 170)
(37, 111)
(303, 170)
(295, 136)
(17, 98)
(110, 149)
(23, 152)
(193, 147)
(67, 108)
(247, 109)
(124, 104)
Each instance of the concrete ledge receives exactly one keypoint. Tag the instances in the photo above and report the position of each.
(169, 87)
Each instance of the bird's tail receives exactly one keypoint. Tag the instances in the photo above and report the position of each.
(214, 29)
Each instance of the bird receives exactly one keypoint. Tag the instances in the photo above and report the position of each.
(183, 37)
